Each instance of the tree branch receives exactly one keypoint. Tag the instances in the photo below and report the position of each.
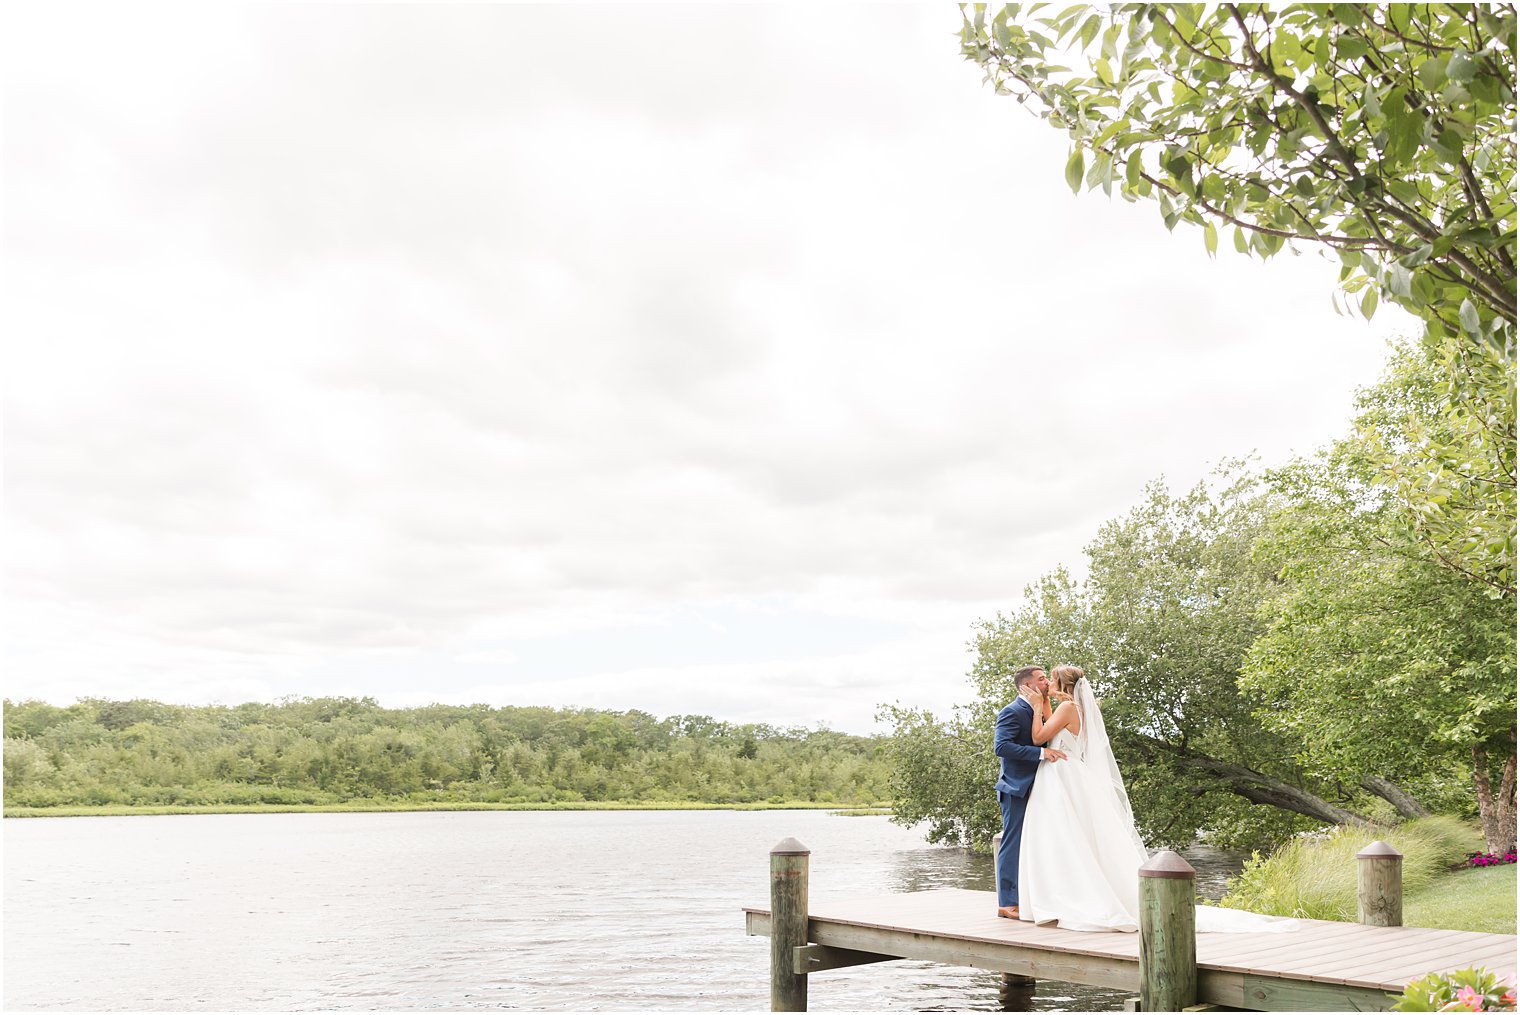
(1251, 784)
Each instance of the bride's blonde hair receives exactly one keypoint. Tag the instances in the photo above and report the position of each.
(1066, 678)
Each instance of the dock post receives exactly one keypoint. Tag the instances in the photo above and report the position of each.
(1168, 939)
(1380, 886)
(789, 920)
(1016, 990)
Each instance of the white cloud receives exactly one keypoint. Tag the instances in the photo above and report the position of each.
(455, 352)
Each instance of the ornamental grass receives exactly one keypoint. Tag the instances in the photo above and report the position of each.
(1314, 876)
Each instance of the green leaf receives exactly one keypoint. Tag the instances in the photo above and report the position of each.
(1486, 89)
(1347, 14)
(1110, 37)
(1211, 238)
(1461, 67)
(1448, 144)
(1089, 30)
(1405, 191)
(1241, 243)
(1369, 302)
(1132, 168)
(1074, 167)
(1405, 126)
(1350, 47)
(1433, 72)
(1469, 316)
(1417, 257)
(1372, 102)
(1100, 173)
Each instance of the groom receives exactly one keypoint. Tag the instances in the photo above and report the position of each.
(1021, 759)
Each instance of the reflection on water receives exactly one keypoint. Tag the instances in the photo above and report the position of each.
(930, 867)
(613, 911)
(1215, 867)
(923, 870)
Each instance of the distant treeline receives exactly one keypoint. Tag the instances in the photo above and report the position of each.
(336, 750)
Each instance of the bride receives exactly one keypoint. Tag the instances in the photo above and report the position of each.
(1080, 855)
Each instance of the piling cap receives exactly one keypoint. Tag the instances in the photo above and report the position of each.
(1167, 864)
(1374, 850)
(790, 847)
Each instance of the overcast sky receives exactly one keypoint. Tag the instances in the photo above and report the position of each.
(700, 360)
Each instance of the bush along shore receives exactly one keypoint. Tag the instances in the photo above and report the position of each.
(139, 756)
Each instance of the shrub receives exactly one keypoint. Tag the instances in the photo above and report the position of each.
(1315, 876)
(1463, 990)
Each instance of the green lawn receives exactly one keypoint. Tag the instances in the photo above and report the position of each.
(1479, 899)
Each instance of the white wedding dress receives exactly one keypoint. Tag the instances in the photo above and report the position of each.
(1080, 854)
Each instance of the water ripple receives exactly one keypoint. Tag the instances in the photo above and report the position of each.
(613, 911)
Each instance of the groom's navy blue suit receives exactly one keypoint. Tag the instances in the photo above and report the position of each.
(1021, 759)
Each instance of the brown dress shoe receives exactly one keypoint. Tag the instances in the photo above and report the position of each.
(1009, 912)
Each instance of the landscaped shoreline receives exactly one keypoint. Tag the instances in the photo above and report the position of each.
(1479, 899)
(361, 807)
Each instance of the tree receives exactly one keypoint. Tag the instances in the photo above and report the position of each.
(942, 774)
(1383, 659)
(326, 750)
(1174, 597)
(1161, 623)
(1434, 446)
(1382, 132)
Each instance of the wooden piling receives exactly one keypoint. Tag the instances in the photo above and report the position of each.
(1168, 934)
(1016, 990)
(789, 920)
(1380, 886)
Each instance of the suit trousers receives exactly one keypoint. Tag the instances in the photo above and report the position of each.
(1013, 808)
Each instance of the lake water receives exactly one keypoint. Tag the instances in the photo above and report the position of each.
(611, 910)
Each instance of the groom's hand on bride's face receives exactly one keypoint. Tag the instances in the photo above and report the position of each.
(1051, 754)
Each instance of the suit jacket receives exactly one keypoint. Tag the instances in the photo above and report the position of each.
(1014, 745)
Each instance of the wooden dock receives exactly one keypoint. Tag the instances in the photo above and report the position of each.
(1320, 966)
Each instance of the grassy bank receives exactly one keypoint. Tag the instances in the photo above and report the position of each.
(1315, 877)
(378, 806)
(1482, 898)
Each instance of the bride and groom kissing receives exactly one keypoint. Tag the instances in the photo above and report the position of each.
(1071, 853)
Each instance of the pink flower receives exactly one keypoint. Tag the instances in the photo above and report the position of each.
(1509, 997)
(1471, 998)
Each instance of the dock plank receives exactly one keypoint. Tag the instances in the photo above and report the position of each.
(1402, 969)
(1321, 966)
(1371, 964)
(1352, 954)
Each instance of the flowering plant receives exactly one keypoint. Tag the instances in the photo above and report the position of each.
(1463, 990)
(1490, 859)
